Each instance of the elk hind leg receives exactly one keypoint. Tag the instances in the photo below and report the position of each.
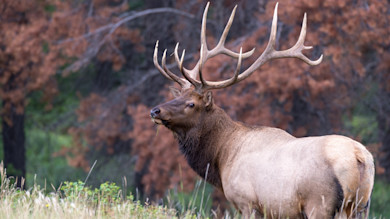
(320, 206)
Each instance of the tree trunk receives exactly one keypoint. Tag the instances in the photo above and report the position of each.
(13, 142)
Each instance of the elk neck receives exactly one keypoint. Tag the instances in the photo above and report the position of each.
(206, 144)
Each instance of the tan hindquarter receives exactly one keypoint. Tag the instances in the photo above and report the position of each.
(256, 170)
(355, 171)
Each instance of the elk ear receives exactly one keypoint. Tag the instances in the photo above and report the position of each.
(208, 100)
(175, 92)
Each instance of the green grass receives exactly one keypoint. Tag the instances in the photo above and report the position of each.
(380, 200)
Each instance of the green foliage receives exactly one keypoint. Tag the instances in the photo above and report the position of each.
(46, 135)
(50, 8)
(135, 4)
(364, 126)
(13, 171)
(41, 147)
(1, 147)
(380, 200)
(72, 190)
(363, 121)
(45, 47)
(107, 194)
(61, 114)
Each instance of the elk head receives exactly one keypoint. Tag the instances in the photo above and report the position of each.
(184, 111)
(195, 98)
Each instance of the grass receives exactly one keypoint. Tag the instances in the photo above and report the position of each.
(380, 200)
(76, 200)
(36, 204)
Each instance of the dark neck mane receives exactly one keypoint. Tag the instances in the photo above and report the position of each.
(202, 144)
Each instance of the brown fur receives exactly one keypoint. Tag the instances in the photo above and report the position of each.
(266, 171)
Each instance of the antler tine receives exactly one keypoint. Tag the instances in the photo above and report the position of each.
(155, 61)
(203, 28)
(233, 79)
(189, 75)
(238, 68)
(220, 48)
(204, 82)
(299, 46)
(182, 60)
(225, 83)
(164, 70)
(270, 53)
(163, 63)
(274, 27)
(227, 28)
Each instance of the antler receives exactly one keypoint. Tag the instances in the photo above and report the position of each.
(190, 76)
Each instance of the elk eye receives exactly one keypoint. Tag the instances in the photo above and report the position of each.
(191, 105)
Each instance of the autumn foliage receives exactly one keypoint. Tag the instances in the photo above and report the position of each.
(38, 39)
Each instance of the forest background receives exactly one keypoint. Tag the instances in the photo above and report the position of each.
(77, 82)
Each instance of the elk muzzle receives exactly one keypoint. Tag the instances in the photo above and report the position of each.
(154, 114)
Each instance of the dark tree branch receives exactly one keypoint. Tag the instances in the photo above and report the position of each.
(106, 32)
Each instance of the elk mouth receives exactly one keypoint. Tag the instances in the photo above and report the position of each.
(157, 121)
(157, 117)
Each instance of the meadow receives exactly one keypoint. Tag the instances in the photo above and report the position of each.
(77, 200)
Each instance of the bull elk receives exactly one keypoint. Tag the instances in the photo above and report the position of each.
(263, 171)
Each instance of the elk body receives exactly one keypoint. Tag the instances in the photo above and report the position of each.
(262, 170)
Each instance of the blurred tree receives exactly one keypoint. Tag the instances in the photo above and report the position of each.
(26, 65)
(31, 50)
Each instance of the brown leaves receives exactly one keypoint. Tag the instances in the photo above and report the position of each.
(25, 65)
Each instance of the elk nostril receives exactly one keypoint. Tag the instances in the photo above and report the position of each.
(155, 111)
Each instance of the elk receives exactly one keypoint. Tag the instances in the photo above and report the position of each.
(262, 171)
